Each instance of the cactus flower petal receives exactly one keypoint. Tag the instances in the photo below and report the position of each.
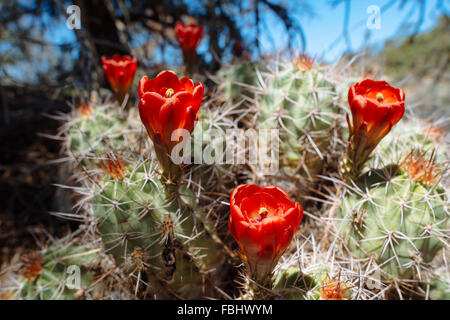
(376, 107)
(263, 222)
(376, 104)
(166, 104)
(188, 36)
(119, 72)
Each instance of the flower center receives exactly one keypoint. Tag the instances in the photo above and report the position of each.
(85, 109)
(169, 92)
(262, 214)
(380, 97)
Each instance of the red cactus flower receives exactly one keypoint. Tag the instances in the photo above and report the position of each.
(376, 107)
(166, 104)
(119, 72)
(263, 222)
(188, 37)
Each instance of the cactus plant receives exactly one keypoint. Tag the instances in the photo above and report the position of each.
(213, 124)
(58, 273)
(155, 229)
(300, 103)
(292, 284)
(239, 81)
(397, 221)
(159, 231)
(440, 287)
(96, 129)
(408, 135)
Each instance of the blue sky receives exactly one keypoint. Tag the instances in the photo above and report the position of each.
(325, 27)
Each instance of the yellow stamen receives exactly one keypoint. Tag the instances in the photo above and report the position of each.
(169, 92)
(380, 97)
(262, 214)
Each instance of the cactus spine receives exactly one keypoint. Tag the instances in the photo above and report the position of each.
(398, 222)
(300, 103)
(59, 273)
(138, 216)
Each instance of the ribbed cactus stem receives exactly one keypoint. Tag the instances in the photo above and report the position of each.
(139, 211)
(262, 289)
(301, 105)
(394, 220)
(46, 275)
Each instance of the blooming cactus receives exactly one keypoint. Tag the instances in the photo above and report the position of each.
(166, 104)
(188, 37)
(119, 72)
(263, 222)
(376, 107)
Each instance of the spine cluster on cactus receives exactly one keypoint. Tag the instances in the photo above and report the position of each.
(240, 82)
(396, 220)
(58, 273)
(301, 104)
(138, 212)
(94, 130)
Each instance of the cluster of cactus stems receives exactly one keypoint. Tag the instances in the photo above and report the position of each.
(161, 223)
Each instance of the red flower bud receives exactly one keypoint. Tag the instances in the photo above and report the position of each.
(188, 37)
(119, 72)
(376, 107)
(263, 222)
(166, 104)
